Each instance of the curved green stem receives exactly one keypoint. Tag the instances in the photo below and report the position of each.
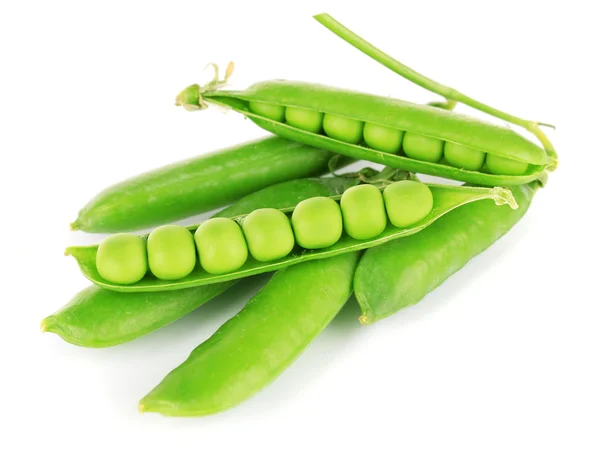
(427, 83)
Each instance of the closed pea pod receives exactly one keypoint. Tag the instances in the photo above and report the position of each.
(201, 183)
(98, 317)
(402, 272)
(259, 343)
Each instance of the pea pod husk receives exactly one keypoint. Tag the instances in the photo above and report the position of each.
(404, 271)
(200, 184)
(98, 317)
(397, 114)
(250, 350)
(445, 199)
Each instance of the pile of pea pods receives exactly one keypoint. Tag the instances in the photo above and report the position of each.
(379, 233)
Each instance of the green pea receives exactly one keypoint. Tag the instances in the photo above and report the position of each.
(269, 234)
(383, 138)
(317, 222)
(268, 110)
(407, 202)
(302, 118)
(463, 156)
(171, 252)
(221, 246)
(121, 259)
(343, 129)
(363, 211)
(499, 165)
(422, 148)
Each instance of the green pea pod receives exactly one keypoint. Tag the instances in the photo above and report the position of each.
(97, 317)
(199, 184)
(250, 350)
(434, 141)
(404, 271)
(445, 199)
(425, 120)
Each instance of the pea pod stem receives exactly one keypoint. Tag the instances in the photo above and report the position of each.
(451, 95)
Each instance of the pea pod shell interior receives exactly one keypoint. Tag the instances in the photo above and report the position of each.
(445, 199)
(422, 119)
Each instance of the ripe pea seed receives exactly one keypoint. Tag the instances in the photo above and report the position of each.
(317, 222)
(407, 202)
(363, 212)
(342, 128)
(268, 110)
(302, 118)
(463, 156)
(422, 148)
(122, 259)
(221, 246)
(171, 252)
(499, 165)
(269, 234)
(383, 138)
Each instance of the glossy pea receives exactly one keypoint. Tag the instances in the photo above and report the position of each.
(249, 351)
(383, 138)
(363, 211)
(221, 245)
(342, 128)
(317, 222)
(505, 166)
(122, 259)
(171, 252)
(422, 147)
(402, 272)
(463, 157)
(308, 120)
(268, 110)
(268, 233)
(407, 202)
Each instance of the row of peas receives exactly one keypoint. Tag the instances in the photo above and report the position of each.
(267, 234)
(389, 140)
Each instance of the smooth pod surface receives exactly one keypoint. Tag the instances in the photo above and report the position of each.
(97, 317)
(445, 199)
(423, 120)
(249, 351)
(404, 271)
(199, 184)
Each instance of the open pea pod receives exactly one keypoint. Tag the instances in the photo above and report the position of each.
(445, 199)
(424, 120)
(456, 146)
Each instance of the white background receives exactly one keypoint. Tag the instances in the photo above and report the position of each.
(501, 360)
